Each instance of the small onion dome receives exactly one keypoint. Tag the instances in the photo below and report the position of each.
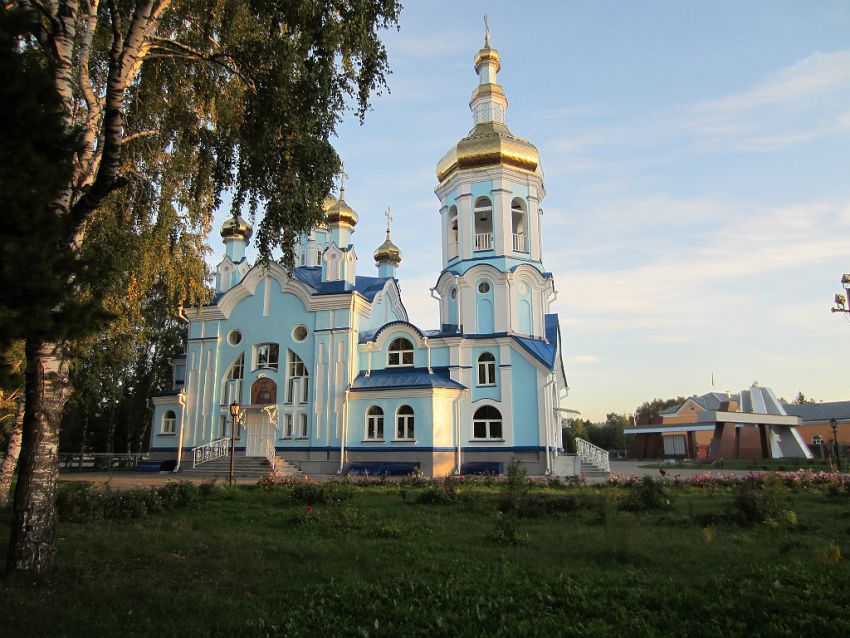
(489, 144)
(487, 55)
(341, 213)
(236, 228)
(330, 200)
(388, 253)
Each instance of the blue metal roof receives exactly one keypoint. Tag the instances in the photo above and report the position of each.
(544, 351)
(311, 276)
(397, 378)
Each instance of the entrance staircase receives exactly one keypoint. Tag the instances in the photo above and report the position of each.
(244, 468)
(594, 460)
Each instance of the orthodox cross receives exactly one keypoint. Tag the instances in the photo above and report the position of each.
(389, 219)
(342, 177)
(486, 31)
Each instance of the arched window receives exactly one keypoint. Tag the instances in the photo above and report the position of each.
(487, 423)
(453, 232)
(483, 213)
(487, 369)
(404, 423)
(400, 353)
(519, 225)
(169, 423)
(233, 381)
(297, 379)
(375, 424)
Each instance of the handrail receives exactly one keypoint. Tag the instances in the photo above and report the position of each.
(593, 455)
(271, 453)
(519, 243)
(210, 451)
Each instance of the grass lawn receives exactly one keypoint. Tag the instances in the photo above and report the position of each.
(250, 562)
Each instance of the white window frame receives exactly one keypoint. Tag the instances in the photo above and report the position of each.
(302, 425)
(288, 425)
(168, 427)
(374, 423)
(488, 424)
(404, 424)
(296, 369)
(487, 370)
(400, 358)
(269, 348)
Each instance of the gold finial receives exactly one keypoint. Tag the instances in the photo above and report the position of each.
(486, 31)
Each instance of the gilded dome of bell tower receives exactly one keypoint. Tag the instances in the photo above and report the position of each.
(489, 143)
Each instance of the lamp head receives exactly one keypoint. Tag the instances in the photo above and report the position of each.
(833, 423)
(234, 409)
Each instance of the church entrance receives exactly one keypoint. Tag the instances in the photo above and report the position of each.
(260, 433)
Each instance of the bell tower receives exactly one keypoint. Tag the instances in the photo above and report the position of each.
(490, 185)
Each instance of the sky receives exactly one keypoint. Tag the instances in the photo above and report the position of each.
(697, 169)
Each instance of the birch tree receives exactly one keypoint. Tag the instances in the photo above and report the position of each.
(175, 103)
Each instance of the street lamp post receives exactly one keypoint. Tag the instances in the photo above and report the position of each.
(234, 412)
(834, 424)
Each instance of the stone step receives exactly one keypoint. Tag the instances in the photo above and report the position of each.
(244, 467)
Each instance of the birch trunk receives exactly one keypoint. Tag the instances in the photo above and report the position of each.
(32, 547)
(10, 461)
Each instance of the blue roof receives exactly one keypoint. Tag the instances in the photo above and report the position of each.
(544, 351)
(311, 276)
(395, 378)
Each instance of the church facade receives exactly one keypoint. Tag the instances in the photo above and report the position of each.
(326, 369)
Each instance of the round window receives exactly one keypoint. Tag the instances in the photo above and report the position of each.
(453, 293)
(483, 287)
(234, 338)
(299, 333)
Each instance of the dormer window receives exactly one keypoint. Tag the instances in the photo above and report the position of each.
(400, 353)
(267, 355)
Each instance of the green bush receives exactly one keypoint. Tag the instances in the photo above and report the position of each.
(124, 505)
(178, 494)
(443, 493)
(651, 494)
(765, 503)
(79, 501)
(506, 530)
(310, 493)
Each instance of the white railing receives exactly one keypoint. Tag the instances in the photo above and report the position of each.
(593, 455)
(271, 454)
(483, 241)
(210, 451)
(519, 243)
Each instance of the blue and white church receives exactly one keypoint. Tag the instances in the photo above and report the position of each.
(329, 374)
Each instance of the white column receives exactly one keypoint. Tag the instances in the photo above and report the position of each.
(534, 227)
(502, 227)
(464, 224)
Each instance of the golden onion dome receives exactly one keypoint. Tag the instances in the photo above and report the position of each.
(236, 228)
(330, 200)
(489, 144)
(487, 55)
(341, 213)
(388, 252)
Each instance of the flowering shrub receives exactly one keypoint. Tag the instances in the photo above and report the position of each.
(84, 501)
(799, 480)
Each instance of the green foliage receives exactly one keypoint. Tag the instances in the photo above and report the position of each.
(82, 501)
(651, 494)
(421, 571)
(764, 503)
(506, 530)
(646, 411)
(442, 492)
(609, 436)
(37, 156)
(313, 493)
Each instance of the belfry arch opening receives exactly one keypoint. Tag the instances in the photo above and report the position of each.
(483, 213)
(519, 225)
